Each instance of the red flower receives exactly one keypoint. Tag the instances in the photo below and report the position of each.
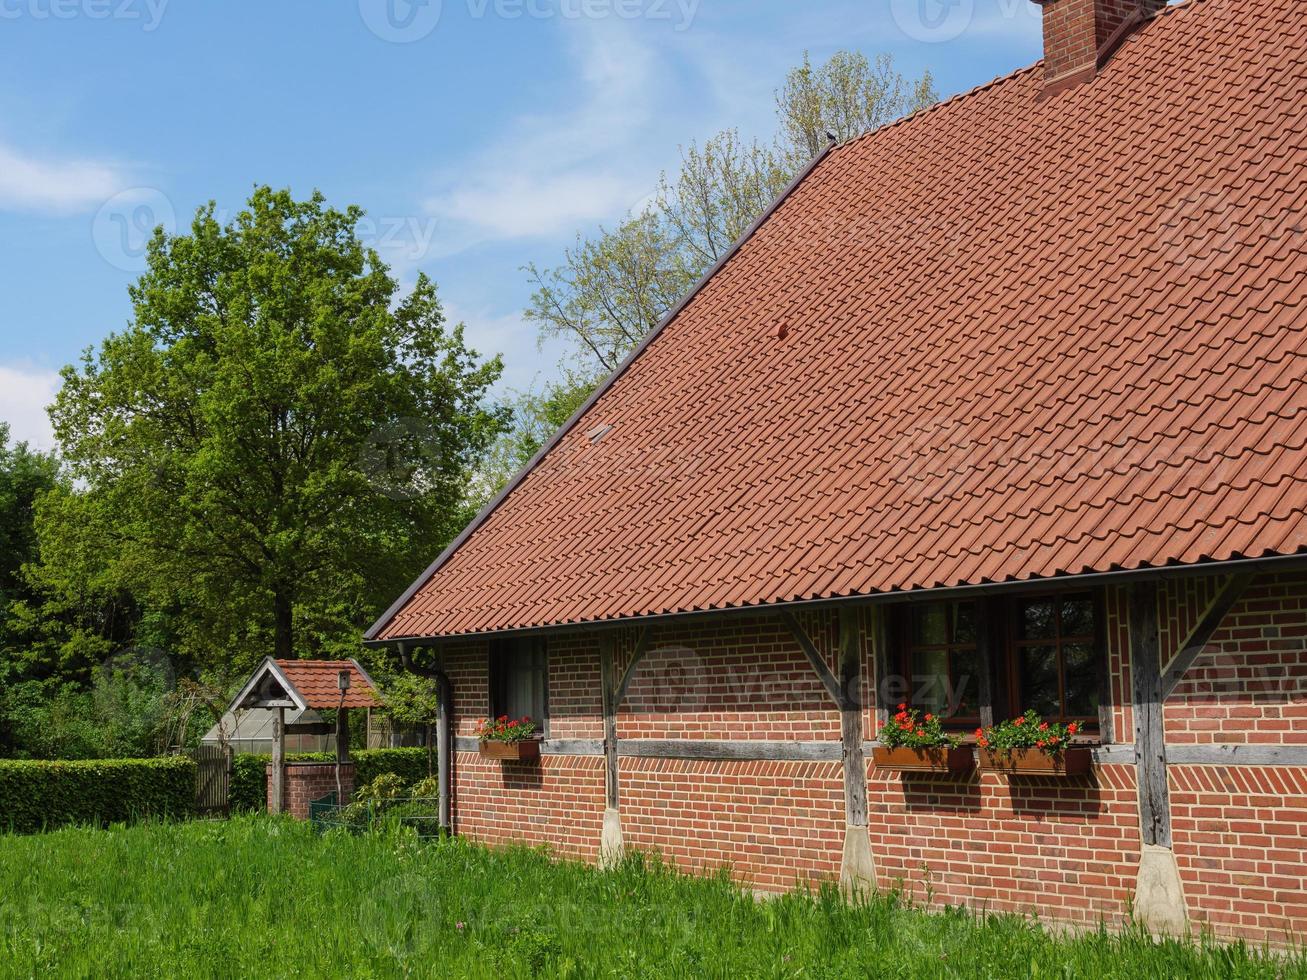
(1021, 720)
(1043, 727)
(903, 706)
(929, 716)
(984, 742)
(1073, 728)
(921, 733)
(980, 733)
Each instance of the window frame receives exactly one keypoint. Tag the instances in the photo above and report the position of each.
(497, 674)
(905, 643)
(1013, 646)
(998, 652)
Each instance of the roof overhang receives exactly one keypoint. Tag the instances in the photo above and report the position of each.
(1267, 563)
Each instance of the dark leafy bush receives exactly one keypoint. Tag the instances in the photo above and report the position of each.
(38, 795)
(249, 786)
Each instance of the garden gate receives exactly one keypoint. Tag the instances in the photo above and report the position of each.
(213, 782)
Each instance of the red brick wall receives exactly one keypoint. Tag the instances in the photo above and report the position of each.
(1067, 849)
(742, 680)
(774, 824)
(308, 782)
(558, 801)
(1249, 686)
(1062, 848)
(1241, 843)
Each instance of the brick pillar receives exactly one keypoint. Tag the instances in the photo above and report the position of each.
(309, 781)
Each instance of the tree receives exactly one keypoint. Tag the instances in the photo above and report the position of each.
(536, 415)
(276, 443)
(613, 288)
(844, 98)
(414, 700)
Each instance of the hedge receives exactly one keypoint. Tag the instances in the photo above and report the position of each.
(249, 781)
(36, 795)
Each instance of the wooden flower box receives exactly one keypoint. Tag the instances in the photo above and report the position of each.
(1034, 762)
(527, 751)
(941, 759)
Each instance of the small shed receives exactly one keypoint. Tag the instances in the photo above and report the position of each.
(292, 689)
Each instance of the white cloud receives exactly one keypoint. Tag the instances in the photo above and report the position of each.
(553, 172)
(29, 183)
(24, 394)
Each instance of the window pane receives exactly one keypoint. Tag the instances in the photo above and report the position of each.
(1037, 621)
(966, 683)
(964, 625)
(930, 680)
(1081, 680)
(1039, 680)
(931, 624)
(1078, 617)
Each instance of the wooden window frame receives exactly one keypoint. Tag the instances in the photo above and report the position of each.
(1012, 647)
(907, 647)
(997, 650)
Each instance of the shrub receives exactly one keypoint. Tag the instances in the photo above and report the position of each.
(249, 781)
(37, 795)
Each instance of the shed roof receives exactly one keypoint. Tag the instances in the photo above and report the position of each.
(1012, 337)
(307, 684)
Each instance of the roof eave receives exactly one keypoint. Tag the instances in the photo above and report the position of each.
(1283, 562)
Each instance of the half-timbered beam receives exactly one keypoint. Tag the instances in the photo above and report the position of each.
(815, 659)
(1201, 635)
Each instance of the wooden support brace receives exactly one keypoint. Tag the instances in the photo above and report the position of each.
(815, 659)
(1197, 640)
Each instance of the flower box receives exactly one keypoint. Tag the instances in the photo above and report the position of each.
(939, 759)
(525, 751)
(1035, 762)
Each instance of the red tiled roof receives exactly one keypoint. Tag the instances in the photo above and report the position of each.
(315, 681)
(1024, 338)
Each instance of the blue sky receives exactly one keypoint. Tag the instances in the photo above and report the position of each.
(479, 134)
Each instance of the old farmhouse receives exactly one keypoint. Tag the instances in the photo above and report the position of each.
(1002, 406)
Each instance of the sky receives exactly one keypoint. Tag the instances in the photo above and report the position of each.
(479, 135)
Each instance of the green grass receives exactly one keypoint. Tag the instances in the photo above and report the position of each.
(259, 896)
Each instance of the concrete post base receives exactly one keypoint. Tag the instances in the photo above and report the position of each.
(611, 847)
(1159, 897)
(857, 867)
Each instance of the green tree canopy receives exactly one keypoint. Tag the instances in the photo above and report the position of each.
(277, 442)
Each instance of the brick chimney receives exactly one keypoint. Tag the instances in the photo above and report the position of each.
(1080, 35)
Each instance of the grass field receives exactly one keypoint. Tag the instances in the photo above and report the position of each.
(259, 896)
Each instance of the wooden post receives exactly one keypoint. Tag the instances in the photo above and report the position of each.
(1150, 739)
(857, 867)
(609, 683)
(985, 650)
(277, 798)
(342, 750)
(855, 760)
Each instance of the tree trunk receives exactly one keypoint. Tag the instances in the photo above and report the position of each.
(283, 637)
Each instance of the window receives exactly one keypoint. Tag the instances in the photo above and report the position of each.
(1045, 653)
(1054, 656)
(943, 659)
(519, 680)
